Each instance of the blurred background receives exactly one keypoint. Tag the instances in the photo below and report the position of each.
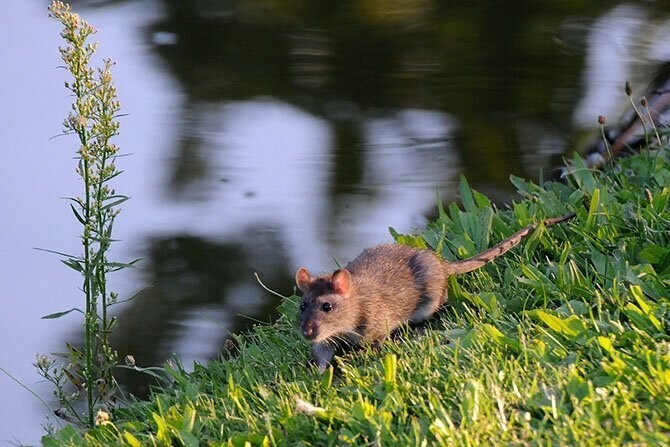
(265, 135)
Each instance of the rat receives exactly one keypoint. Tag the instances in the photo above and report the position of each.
(385, 286)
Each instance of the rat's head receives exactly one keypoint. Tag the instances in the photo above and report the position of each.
(326, 306)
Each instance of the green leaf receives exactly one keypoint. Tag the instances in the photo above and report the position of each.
(578, 387)
(521, 212)
(606, 344)
(573, 326)
(654, 253)
(466, 195)
(659, 201)
(162, 431)
(523, 187)
(77, 215)
(74, 264)
(442, 215)
(327, 378)
(116, 266)
(362, 410)
(409, 240)
(617, 365)
(573, 307)
(130, 439)
(462, 246)
(657, 256)
(68, 435)
(390, 368)
(60, 253)
(454, 211)
(188, 439)
(440, 243)
(582, 175)
(461, 337)
(637, 293)
(500, 338)
(486, 223)
(470, 225)
(118, 172)
(490, 301)
(115, 203)
(470, 403)
(490, 305)
(60, 314)
(481, 200)
(593, 209)
(601, 263)
(188, 420)
(477, 225)
(643, 315)
(533, 240)
(248, 440)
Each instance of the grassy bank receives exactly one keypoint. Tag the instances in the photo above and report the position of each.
(563, 341)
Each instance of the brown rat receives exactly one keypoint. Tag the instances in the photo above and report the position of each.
(385, 286)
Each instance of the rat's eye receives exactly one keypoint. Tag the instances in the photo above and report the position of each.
(326, 307)
(303, 306)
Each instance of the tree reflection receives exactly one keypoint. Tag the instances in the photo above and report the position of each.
(402, 97)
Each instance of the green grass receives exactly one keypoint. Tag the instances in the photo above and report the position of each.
(563, 341)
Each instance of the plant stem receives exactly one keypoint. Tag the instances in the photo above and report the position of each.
(90, 299)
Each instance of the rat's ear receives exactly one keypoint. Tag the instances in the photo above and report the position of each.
(303, 279)
(341, 281)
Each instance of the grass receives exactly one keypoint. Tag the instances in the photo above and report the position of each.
(563, 341)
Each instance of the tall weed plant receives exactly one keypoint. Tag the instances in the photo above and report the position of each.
(86, 374)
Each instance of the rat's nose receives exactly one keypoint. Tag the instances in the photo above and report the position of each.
(309, 331)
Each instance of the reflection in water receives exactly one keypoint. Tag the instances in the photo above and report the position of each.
(327, 126)
(198, 295)
(275, 191)
(614, 55)
(269, 135)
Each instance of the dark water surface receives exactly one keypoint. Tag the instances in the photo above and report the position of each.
(269, 135)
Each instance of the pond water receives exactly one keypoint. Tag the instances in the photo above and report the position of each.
(269, 135)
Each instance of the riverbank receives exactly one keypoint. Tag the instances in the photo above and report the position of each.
(564, 340)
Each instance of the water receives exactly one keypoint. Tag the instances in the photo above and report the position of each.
(265, 139)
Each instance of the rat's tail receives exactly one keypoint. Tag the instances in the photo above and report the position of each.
(477, 261)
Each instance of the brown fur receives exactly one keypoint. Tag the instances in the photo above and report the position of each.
(385, 286)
